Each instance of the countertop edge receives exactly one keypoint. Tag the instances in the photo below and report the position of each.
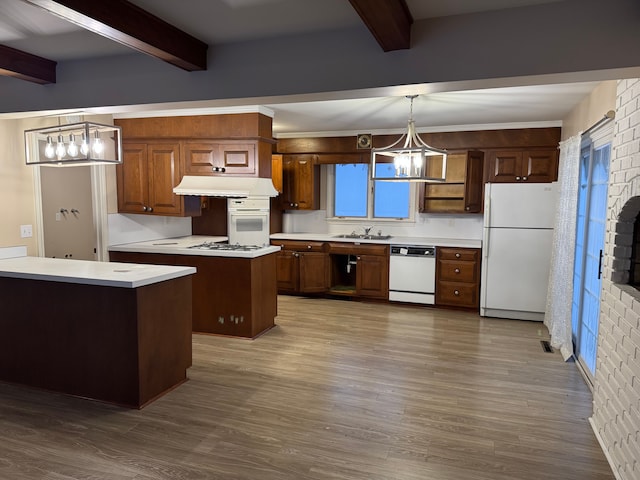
(394, 240)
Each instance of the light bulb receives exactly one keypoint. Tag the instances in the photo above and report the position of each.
(84, 146)
(49, 150)
(60, 150)
(72, 149)
(97, 145)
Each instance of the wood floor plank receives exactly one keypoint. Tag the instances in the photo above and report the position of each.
(337, 390)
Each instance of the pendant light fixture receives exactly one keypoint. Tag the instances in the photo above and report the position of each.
(84, 143)
(413, 159)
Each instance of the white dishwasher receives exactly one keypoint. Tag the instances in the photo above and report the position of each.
(412, 274)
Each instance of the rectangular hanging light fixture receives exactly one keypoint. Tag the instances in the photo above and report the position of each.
(75, 144)
(413, 160)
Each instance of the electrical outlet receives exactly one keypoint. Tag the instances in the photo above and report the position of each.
(58, 216)
(26, 231)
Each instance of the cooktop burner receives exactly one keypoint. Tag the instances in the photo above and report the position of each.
(224, 246)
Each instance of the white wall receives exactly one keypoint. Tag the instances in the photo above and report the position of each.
(465, 226)
(16, 188)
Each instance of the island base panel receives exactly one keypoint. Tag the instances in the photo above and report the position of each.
(119, 345)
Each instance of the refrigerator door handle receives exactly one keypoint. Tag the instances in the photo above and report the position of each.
(487, 222)
(485, 242)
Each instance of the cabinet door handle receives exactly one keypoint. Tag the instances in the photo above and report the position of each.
(457, 255)
(219, 169)
(309, 247)
(149, 209)
(517, 179)
(358, 257)
(456, 292)
(466, 208)
(524, 178)
(457, 270)
(296, 254)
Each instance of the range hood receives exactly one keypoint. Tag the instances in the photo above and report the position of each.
(236, 187)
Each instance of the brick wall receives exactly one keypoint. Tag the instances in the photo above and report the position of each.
(616, 396)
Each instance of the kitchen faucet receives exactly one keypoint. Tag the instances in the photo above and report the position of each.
(367, 230)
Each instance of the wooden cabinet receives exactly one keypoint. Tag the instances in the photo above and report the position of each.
(302, 267)
(359, 270)
(458, 277)
(146, 178)
(372, 276)
(301, 182)
(231, 295)
(463, 187)
(531, 166)
(220, 158)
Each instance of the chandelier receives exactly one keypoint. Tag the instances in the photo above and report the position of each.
(413, 160)
(74, 144)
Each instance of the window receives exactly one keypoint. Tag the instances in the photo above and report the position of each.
(357, 196)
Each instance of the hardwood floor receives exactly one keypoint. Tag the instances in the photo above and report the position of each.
(338, 390)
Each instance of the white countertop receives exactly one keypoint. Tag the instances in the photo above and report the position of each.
(429, 241)
(180, 246)
(86, 272)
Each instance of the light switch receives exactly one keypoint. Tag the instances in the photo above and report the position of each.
(26, 231)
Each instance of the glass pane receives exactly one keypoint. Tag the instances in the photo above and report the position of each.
(350, 199)
(391, 199)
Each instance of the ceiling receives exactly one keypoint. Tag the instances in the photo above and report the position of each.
(33, 30)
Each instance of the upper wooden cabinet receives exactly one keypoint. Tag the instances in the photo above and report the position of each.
(220, 158)
(146, 178)
(301, 182)
(532, 166)
(462, 190)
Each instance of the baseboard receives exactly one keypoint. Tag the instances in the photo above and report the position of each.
(604, 450)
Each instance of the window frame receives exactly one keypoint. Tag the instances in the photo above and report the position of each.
(331, 217)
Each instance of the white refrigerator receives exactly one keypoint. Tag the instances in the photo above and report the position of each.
(516, 249)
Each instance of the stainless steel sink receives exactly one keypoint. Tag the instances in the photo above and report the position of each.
(363, 236)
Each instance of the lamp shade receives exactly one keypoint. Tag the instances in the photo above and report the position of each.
(74, 144)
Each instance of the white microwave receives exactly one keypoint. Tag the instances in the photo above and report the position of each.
(248, 221)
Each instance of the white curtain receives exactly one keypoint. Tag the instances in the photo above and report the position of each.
(557, 317)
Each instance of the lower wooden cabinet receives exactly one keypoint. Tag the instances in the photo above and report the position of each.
(333, 268)
(302, 267)
(458, 277)
(359, 270)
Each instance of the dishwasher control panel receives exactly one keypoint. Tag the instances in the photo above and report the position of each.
(413, 250)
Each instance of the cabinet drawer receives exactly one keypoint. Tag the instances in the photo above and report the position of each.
(464, 254)
(457, 294)
(300, 246)
(457, 271)
(356, 248)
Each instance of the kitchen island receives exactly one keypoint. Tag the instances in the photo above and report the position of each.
(114, 332)
(234, 291)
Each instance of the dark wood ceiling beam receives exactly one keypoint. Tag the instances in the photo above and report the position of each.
(388, 20)
(130, 25)
(23, 65)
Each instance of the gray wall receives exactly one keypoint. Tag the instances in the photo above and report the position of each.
(588, 39)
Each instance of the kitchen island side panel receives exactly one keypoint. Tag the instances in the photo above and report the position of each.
(231, 295)
(106, 343)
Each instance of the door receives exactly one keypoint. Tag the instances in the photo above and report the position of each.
(163, 173)
(372, 276)
(590, 237)
(516, 268)
(67, 213)
(514, 205)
